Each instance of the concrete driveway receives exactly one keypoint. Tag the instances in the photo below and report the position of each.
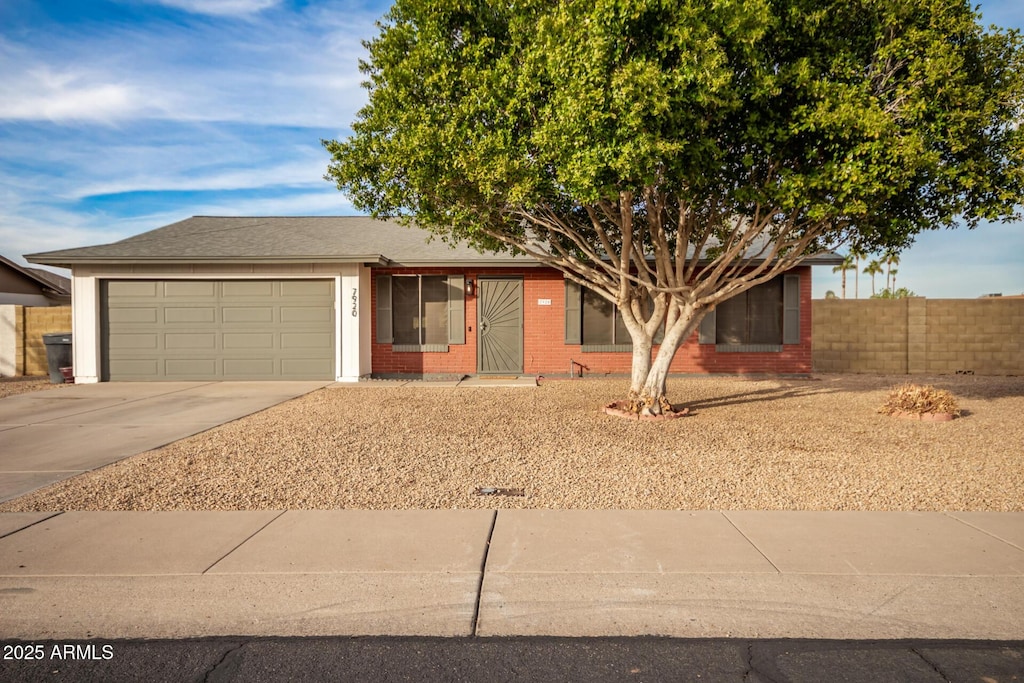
(48, 436)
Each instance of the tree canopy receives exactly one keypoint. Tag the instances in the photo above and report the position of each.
(685, 150)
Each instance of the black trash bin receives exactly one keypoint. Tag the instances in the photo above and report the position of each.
(58, 354)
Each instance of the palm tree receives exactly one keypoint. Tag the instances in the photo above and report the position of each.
(857, 253)
(892, 272)
(846, 265)
(873, 269)
(891, 259)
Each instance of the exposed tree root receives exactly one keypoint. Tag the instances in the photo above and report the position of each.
(648, 406)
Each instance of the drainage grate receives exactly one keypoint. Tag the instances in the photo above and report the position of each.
(495, 491)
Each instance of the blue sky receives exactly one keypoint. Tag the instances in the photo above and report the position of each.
(120, 116)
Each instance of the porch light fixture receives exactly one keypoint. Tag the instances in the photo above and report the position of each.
(469, 287)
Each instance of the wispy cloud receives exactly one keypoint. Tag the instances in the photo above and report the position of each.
(54, 228)
(220, 7)
(326, 202)
(41, 85)
(278, 68)
(113, 125)
(43, 93)
(288, 174)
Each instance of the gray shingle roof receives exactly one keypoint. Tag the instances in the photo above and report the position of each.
(323, 239)
(59, 283)
(331, 239)
(53, 283)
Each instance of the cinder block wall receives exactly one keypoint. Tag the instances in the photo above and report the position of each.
(40, 320)
(985, 336)
(914, 336)
(859, 335)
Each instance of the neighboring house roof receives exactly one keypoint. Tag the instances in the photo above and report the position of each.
(49, 284)
(321, 239)
(59, 283)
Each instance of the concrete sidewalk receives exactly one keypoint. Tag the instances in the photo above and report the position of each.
(858, 575)
(48, 436)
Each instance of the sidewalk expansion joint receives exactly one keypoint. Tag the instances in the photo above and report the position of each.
(984, 531)
(748, 540)
(483, 571)
(244, 541)
(39, 521)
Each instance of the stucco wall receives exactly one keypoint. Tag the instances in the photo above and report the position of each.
(917, 335)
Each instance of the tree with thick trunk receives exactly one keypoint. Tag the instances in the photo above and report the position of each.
(667, 156)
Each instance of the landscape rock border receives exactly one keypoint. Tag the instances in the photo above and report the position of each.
(924, 417)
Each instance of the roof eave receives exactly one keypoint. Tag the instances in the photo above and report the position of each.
(474, 263)
(68, 262)
(830, 260)
(367, 259)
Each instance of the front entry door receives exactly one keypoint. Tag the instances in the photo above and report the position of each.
(499, 339)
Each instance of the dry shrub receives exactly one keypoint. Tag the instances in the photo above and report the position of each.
(917, 399)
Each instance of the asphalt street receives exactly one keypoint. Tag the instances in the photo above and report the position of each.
(387, 659)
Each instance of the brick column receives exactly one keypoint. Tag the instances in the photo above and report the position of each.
(917, 345)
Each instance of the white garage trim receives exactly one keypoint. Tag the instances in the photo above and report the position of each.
(352, 333)
(85, 328)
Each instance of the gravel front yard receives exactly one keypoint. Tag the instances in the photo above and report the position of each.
(763, 444)
(10, 386)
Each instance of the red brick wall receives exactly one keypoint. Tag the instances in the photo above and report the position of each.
(460, 359)
(544, 350)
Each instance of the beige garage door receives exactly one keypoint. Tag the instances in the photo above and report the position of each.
(217, 329)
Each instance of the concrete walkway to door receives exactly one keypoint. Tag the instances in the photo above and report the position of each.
(466, 381)
(49, 436)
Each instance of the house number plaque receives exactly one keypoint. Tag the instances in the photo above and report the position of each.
(355, 303)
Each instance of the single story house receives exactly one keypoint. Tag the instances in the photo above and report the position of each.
(24, 286)
(348, 297)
